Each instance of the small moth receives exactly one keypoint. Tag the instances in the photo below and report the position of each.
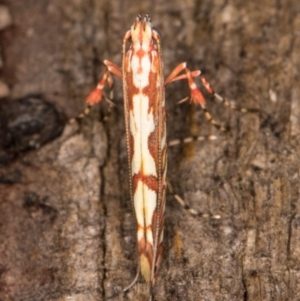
(145, 122)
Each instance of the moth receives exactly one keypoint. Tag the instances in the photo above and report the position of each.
(145, 123)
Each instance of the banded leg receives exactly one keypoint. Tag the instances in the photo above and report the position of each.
(186, 207)
(222, 100)
(197, 97)
(190, 139)
(96, 95)
(82, 115)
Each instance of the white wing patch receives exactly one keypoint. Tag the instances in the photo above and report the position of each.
(141, 126)
(144, 205)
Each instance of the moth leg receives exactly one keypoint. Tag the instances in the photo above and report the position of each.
(96, 95)
(186, 207)
(197, 97)
(81, 115)
(223, 100)
(190, 139)
(208, 88)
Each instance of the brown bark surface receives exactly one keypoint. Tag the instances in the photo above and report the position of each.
(66, 224)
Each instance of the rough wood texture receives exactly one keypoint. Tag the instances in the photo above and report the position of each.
(66, 230)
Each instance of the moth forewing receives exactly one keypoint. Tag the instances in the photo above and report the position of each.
(145, 121)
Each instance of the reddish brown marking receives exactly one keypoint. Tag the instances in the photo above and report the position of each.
(151, 90)
(150, 181)
(146, 249)
(94, 97)
(197, 97)
(131, 89)
(139, 227)
(140, 53)
(153, 147)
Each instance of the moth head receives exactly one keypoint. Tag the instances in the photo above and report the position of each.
(141, 31)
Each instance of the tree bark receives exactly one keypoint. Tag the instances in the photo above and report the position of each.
(66, 225)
